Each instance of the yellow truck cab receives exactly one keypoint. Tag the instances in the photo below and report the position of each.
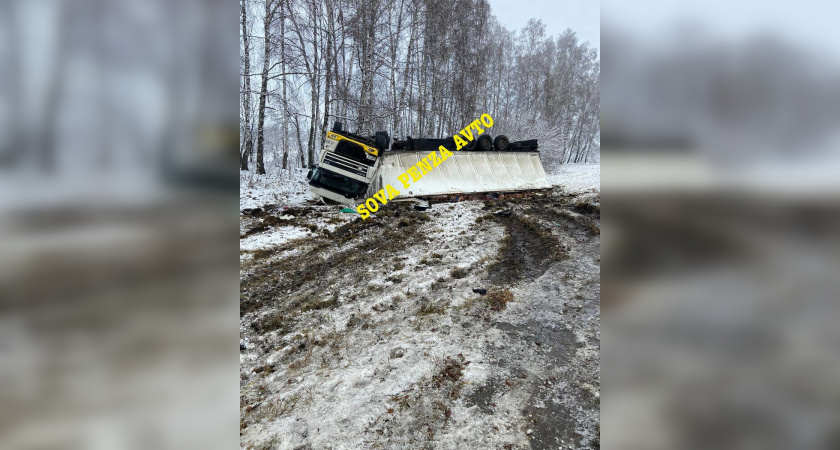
(347, 165)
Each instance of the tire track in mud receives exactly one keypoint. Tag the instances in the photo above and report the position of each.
(527, 251)
(286, 294)
(328, 258)
(538, 260)
(547, 243)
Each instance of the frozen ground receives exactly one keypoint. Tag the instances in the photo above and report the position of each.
(284, 189)
(368, 334)
(577, 177)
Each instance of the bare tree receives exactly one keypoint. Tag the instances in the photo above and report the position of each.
(247, 141)
(285, 103)
(271, 7)
(401, 66)
(366, 39)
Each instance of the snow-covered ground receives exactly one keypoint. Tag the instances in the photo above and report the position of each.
(370, 334)
(276, 236)
(577, 177)
(289, 188)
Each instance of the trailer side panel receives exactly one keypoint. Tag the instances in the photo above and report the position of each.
(465, 173)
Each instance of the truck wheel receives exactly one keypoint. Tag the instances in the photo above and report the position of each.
(485, 142)
(471, 145)
(381, 142)
(387, 140)
(501, 143)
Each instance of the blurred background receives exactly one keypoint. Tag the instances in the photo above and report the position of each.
(721, 229)
(118, 211)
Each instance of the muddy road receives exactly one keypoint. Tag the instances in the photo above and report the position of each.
(469, 325)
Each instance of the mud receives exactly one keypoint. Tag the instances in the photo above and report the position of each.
(552, 425)
(526, 252)
(358, 244)
(323, 316)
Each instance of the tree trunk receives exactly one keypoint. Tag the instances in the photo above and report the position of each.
(300, 143)
(284, 139)
(270, 10)
(248, 142)
(328, 63)
(261, 118)
(366, 101)
(315, 84)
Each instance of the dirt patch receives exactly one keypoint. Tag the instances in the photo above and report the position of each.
(498, 300)
(577, 215)
(318, 267)
(266, 223)
(452, 371)
(526, 252)
(484, 397)
(255, 212)
(589, 208)
(553, 426)
(458, 273)
(273, 322)
(428, 308)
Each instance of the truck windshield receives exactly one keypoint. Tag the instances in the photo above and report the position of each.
(338, 183)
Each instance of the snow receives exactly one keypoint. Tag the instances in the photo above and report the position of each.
(285, 189)
(277, 236)
(577, 178)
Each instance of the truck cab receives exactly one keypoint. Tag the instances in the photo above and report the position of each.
(347, 165)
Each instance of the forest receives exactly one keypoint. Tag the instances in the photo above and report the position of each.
(412, 68)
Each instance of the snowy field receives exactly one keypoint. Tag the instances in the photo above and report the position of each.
(577, 178)
(288, 188)
(470, 325)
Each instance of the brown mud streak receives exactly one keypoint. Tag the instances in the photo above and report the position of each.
(308, 275)
(527, 251)
(580, 218)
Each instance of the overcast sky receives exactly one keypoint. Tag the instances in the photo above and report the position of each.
(582, 16)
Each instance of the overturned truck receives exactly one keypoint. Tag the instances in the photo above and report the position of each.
(351, 167)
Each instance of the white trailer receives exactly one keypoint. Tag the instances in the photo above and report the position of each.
(463, 173)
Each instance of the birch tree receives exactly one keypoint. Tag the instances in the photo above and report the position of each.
(247, 141)
(271, 7)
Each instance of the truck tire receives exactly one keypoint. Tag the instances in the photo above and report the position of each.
(381, 141)
(501, 143)
(449, 144)
(485, 142)
(387, 140)
(471, 145)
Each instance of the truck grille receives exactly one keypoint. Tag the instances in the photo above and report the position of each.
(353, 151)
(344, 165)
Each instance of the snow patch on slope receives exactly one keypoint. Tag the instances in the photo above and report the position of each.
(285, 189)
(277, 236)
(576, 178)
